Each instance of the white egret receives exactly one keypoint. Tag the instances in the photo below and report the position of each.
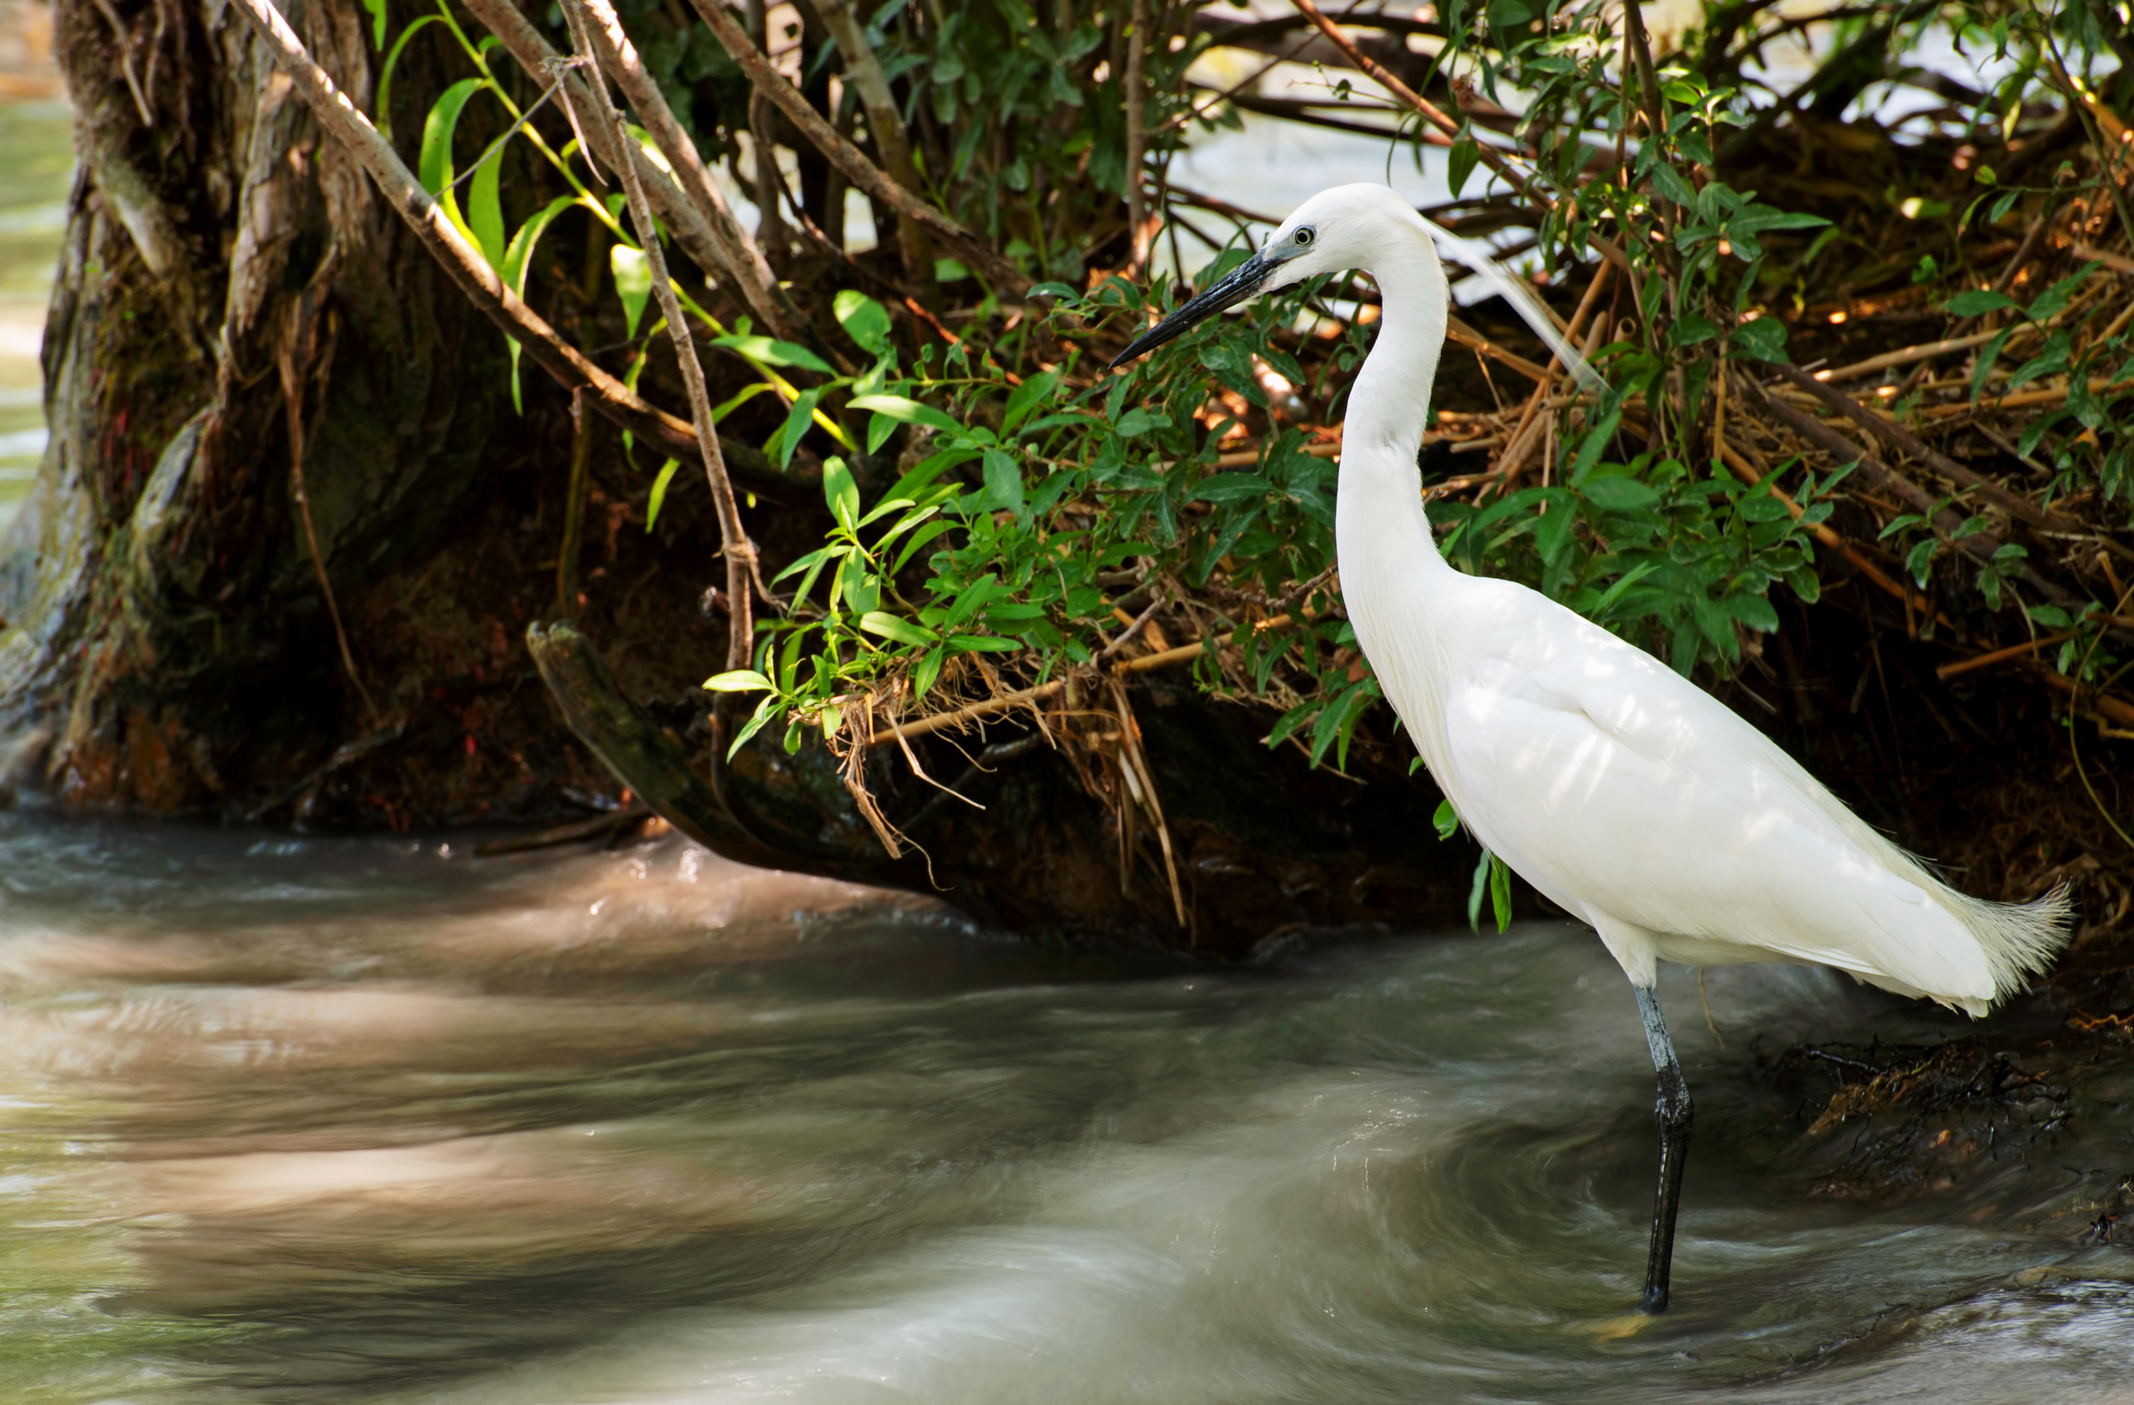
(1626, 794)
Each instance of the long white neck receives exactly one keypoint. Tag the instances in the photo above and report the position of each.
(1392, 577)
(1379, 523)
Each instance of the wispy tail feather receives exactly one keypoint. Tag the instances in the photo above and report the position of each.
(2019, 939)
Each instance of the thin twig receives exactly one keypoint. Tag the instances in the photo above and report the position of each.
(1522, 443)
(1133, 628)
(2028, 647)
(293, 407)
(1491, 157)
(574, 509)
(1134, 763)
(739, 551)
(742, 257)
(509, 132)
(1905, 442)
(1136, 139)
(981, 257)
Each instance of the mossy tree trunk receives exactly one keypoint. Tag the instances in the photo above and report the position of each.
(228, 282)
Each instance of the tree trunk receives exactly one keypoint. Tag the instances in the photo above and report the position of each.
(226, 280)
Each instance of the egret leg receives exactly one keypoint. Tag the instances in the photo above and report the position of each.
(1672, 1108)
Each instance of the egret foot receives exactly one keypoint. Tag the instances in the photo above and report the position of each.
(1673, 1111)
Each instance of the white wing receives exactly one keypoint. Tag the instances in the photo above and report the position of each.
(1628, 794)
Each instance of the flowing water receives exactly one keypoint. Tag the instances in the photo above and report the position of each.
(303, 1120)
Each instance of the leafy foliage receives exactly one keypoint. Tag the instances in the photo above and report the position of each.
(1033, 501)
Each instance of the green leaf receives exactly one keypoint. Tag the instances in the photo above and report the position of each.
(1232, 487)
(1623, 583)
(765, 711)
(1987, 355)
(1553, 532)
(518, 257)
(891, 627)
(1447, 823)
(918, 539)
(864, 320)
(434, 166)
(1758, 505)
(1921, 560)
(1500, 892)
(1004, 482)
(1761, 340)
(1461, 160)
(888, 505)
(2060, 294)
(861, 588)
(1474, 894)
(797, 420)
(633, 282)
(385, 75)
(659, 493)
(840, 493)
(926, 671)
(1671, 183)
(1595, 442)
(1138, 421)
(892, 410)
(769, 351)
(485, 211)
(1691, 329)
(1026, 397)
(1977, 302)
(1619, 494)
(2051, 616)
(740, 680)
(377, 22)
(1755, 611)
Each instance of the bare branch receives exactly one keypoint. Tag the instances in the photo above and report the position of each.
(980, 256)
(865, 72)
(740, 552)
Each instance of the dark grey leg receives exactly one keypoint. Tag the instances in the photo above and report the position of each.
(1672, 1108)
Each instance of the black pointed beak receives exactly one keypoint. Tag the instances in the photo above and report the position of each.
(1238, 285)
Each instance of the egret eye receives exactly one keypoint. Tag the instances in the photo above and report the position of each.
(1303, 237)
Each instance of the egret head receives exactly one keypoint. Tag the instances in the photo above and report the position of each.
(1371, 228)
(1349, 226)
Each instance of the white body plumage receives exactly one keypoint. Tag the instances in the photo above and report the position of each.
(1618, 788)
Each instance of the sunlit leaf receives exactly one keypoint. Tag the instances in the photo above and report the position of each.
(740, 680)
(434, 165)
(772, 352)
(864, 320)
(384, 101)
(840, 493)
(518, 259)
(633, 283)
(659, 493)
(891, 627)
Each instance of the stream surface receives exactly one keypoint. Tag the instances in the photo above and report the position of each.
(305, 1120)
